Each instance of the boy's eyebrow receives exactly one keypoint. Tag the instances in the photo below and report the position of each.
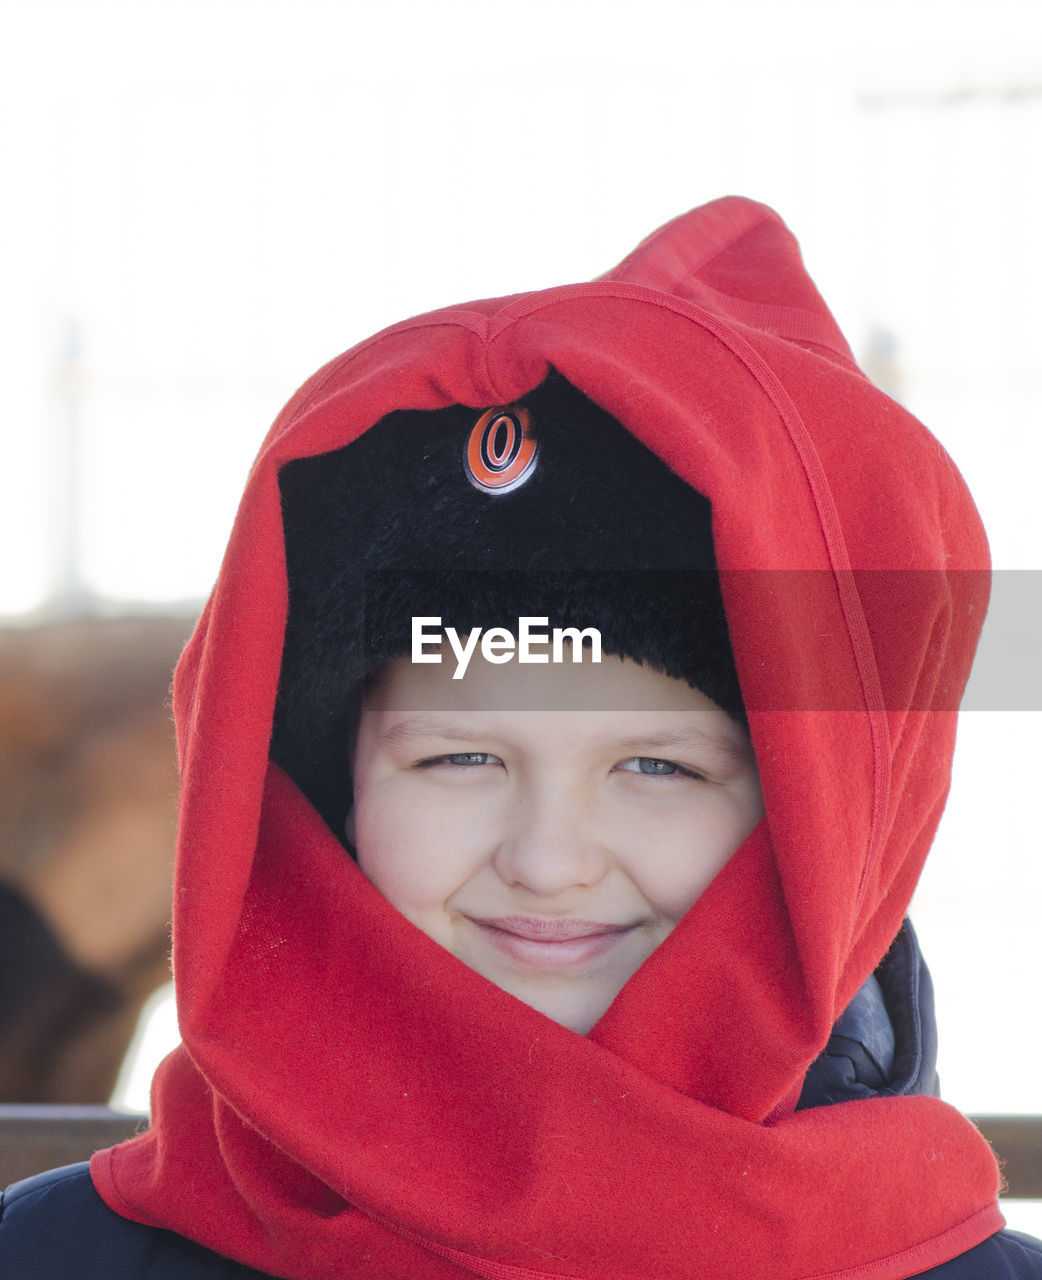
(692, 736)
(426, 727)
(422, 726)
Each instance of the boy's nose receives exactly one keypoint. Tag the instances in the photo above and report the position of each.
(550, 845)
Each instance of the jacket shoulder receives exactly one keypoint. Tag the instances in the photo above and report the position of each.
(55, 1225)
(1008, 1255)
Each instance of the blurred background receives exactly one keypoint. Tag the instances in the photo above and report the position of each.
(205, 200)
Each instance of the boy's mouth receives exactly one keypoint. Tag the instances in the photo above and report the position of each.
(551, 943)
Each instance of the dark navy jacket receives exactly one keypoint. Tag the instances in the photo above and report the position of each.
(56, 1227)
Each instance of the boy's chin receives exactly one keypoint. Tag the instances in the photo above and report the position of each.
(572, 981)
(579, 1011)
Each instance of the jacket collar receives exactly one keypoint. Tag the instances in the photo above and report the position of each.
(884, 1044)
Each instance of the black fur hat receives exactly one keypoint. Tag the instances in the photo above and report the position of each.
(547, 508)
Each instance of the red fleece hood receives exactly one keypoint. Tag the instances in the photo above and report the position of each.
(350, 1099)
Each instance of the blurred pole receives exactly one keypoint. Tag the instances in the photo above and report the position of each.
(66, 595)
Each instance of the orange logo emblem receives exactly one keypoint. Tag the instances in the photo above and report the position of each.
(500, 452)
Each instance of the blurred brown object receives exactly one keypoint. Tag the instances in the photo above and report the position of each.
(87, 818)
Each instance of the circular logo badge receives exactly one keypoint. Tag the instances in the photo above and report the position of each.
(500, 451)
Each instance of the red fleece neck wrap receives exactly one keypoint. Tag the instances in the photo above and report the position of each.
(351, 1100)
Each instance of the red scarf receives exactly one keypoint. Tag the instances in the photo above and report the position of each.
(353, 1101)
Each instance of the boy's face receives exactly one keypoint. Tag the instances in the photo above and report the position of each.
(550, 850)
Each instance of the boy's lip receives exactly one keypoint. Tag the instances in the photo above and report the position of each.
(538, 942)
(550, 928)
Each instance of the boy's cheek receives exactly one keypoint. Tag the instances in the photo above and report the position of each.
(683, 856)
(415, 855)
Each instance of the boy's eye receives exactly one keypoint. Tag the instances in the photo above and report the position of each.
(652, 766)
(463, 758)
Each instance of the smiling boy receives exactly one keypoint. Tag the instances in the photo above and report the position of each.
(551, 851)
(567, 970)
